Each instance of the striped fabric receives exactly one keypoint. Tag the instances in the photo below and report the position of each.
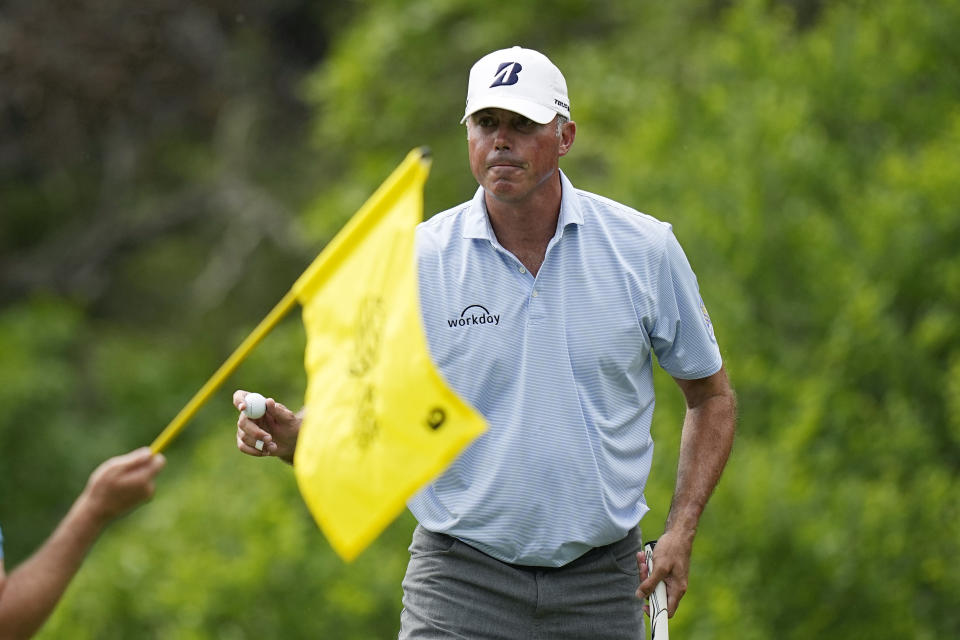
(561, 367)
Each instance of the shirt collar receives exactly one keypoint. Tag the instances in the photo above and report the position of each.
(477, 223)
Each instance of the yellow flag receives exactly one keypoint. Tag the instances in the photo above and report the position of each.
(380, 422)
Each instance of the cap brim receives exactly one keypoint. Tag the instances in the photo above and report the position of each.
(536, 112)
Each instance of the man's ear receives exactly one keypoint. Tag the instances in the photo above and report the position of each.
(567, 134)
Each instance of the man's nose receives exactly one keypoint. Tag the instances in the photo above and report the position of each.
(502, 140)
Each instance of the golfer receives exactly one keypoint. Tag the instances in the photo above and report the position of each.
(533, 531)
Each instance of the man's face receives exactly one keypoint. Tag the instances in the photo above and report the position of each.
(511, 155)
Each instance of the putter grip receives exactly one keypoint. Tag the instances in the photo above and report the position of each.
(658, 601)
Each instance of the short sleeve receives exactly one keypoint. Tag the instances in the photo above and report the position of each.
(682, 335)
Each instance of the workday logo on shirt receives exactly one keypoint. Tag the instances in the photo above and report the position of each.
(473, 315)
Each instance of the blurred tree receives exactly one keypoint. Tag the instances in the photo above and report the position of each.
(121, 125)
(150, 166)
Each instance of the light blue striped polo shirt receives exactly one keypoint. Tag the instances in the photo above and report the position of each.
(561, 367)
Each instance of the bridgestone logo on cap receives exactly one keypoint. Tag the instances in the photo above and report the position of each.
(507, 74)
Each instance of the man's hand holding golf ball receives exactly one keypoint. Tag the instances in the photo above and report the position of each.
(265, 427)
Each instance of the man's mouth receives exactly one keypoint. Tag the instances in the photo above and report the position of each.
(501, 164)
(504, 162)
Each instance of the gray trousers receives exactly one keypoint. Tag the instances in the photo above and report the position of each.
(452, 590)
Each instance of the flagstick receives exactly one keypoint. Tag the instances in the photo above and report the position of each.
(328, 257)
(179, 422)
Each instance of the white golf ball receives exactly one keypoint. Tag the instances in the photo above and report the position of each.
(255, 405)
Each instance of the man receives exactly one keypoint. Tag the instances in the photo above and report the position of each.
(532, 531)
(33, 589)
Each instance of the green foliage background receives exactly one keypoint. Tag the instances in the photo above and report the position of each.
(160, 191)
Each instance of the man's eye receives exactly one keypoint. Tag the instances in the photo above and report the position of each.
(524, 124)
(485, 122)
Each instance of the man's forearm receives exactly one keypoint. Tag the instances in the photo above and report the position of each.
(34, 587)
(299, 416)
(704, 448)
(705, 444)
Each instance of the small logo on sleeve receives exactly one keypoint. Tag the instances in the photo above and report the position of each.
(473, 315)
(706, 320)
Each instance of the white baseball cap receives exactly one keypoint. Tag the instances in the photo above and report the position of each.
(520, 80)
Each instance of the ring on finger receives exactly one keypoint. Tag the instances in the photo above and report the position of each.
(258, 445)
